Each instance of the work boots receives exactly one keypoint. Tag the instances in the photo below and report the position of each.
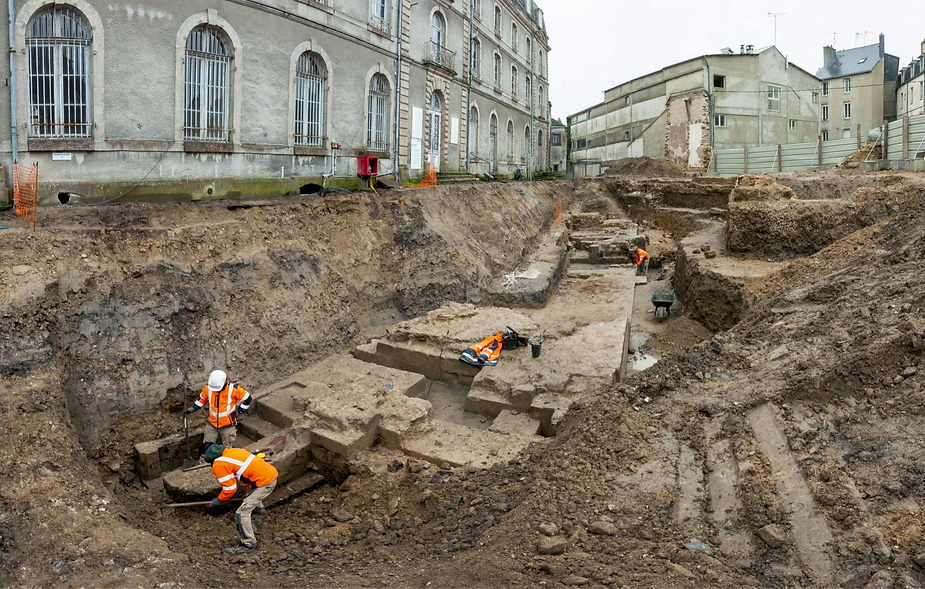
(240, 549)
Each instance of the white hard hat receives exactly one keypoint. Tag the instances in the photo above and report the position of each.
(217, 380)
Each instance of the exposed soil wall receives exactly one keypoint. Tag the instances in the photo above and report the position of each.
(717, 301)
(796, 227)
(130, 305)
(695, 193)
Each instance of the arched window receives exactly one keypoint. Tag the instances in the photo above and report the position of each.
(526, 153)
(528, 90)
(475, 59)
(542, 104)
(380, 16)
(207, 92)
(514, 81)
(498, 70)
(539, 150)
(59, 45)
(514, 36)
(310, 78)
(473, 131)
(437, 29)
(436, 122)
(377, 123)
(493, 142)
(497, 20)
(510, 140)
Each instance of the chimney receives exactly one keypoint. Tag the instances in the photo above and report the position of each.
(882, 45)
(742, 50)
(923, 47)
(749, 49)
(828, 55)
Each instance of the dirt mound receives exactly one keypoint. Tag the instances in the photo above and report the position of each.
(646, 166)
(762, 188)
(867, 152)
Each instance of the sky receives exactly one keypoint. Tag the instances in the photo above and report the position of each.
(599, 44)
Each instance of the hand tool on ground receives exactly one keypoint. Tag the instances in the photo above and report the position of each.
(439, 361)
(189, 460)
(197, 503)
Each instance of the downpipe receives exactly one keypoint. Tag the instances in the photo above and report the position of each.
(14, 124)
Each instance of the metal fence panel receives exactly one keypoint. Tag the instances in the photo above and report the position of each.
(894, 144)
(916, 136)
(799, 156)
(730, 162)
(762, 159)
(833, 152)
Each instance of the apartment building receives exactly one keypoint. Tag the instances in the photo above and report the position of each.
(910, 94)
(858, 90)
(204, 98)
(558, 147)
(684, 111)
(508, 107)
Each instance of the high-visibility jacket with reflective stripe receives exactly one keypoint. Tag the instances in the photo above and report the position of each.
(236, 464)
(223, 404)
(641, 255)
(484, 353)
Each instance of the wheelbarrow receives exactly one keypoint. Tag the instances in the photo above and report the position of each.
(663, 302)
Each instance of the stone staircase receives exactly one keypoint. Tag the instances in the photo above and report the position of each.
(447, 178)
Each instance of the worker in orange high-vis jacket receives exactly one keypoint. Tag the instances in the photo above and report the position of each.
(642, 261)
(230, 465)
(225, 400)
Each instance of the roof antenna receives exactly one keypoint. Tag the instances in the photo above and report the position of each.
(775, 15)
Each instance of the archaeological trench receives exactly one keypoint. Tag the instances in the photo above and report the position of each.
(768, 433)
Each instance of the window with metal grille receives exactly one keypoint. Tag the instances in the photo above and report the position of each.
(436, 122)
(542, 103)
(493, 143)
(378, 116)
(528, 91)
(510, 139)
(513, 81)
(527, 136)
(473, 131)
(311, 75)
(58, 51)
(207, 85)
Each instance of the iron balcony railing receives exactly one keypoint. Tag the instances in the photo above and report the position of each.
(439, 55)
(381, 24)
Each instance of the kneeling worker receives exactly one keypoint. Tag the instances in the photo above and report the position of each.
(642, 261)
(225, 399)
(230, 465)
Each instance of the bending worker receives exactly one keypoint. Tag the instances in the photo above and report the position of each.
(225, 400)
(642, 261)
(229, 465)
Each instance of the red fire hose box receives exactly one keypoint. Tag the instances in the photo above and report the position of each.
(367, 165)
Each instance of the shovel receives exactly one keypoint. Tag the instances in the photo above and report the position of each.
(189, 461)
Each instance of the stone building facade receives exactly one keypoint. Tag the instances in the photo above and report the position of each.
(206, 98)
(858, 90)
(684, 111)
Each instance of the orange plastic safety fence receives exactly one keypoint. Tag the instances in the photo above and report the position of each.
(430, 179)
(25, 192)
(559, 213)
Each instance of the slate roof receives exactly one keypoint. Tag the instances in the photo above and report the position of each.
(850, 62)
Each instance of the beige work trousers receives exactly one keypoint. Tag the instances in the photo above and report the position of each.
(227, 434)
(242, 516)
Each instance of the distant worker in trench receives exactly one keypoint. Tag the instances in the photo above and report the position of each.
(230, 465)
(642, 261)
(225, 400)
